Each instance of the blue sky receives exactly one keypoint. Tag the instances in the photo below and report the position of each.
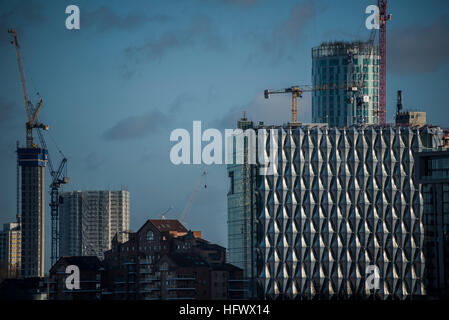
(115, 89)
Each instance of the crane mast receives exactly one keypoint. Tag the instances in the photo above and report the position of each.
(59, 177)
(296, 93)
(383, 18)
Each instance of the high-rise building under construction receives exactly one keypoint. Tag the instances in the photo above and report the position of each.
(32, 161)
(89, 220)
(340, 67)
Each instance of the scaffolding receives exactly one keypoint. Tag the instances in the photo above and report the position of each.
(102, 215)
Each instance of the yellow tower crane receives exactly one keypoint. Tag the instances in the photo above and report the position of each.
(297, 92)
(30, 110)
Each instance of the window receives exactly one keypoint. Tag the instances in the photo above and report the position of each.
(231, 182)
(150, 236)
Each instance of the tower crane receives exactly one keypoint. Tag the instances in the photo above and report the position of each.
(59, 176)
(351, 86)
(201, 182)
(382, 46)
(297, 92)
(32, 112)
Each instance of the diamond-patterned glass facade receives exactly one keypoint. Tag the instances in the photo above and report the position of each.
(339, 201)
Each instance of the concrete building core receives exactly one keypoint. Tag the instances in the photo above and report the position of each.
(342, 65)
(89, 220)
(32, 162)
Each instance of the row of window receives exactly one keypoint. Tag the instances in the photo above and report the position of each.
(344, 61)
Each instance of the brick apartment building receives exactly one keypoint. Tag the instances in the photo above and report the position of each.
(90, 271)
(164, 260)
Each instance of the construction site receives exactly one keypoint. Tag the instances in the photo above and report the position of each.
(32, 159)
(351, 190)
(352, 94)
(89, 219)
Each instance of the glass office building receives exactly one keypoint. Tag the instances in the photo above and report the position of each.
(337, 66)
(433, 173)
(242, 214)
(338, 202)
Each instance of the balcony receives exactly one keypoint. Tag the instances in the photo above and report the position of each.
(145, 271)
(82, 291)
(124, 282)
(149, 280)
(149, 290)
(124, 291)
